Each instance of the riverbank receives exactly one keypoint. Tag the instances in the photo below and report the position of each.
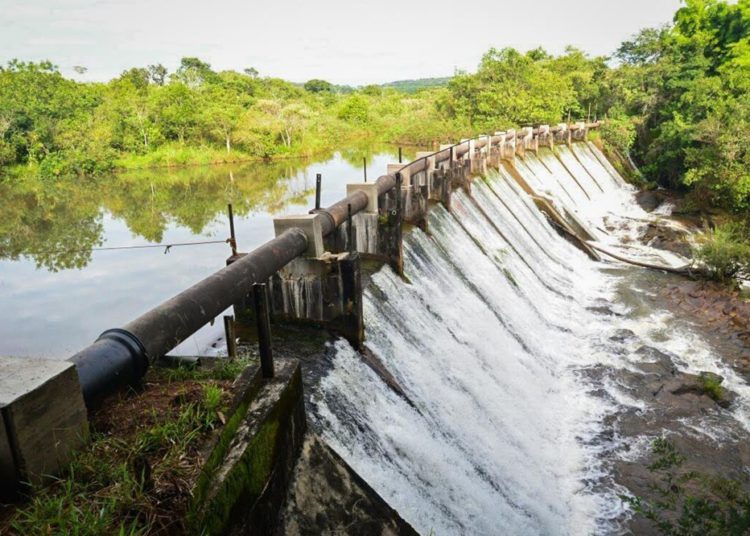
(176, 156)
(679, 446)
(137, 473)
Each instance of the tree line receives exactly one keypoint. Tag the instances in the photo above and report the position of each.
(676, 99)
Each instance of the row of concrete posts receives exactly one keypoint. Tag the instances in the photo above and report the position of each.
(312, 272)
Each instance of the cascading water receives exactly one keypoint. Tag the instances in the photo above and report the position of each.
(487, 335)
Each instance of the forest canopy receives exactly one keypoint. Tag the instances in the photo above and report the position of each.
(675, 99)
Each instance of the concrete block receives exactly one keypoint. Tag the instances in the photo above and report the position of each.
(369, 188)
(395, 168)
(44, 418)
(310, 225)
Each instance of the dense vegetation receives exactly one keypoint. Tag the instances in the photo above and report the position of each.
(52, 126)
(675, 98)
(678, 95)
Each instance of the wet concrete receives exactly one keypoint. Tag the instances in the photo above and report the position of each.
(328, 497)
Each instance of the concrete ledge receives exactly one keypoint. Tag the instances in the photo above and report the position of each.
(328, 497)
(44, 419)
(310, 224)
(405, 176)
(370, 189)
(243, 484)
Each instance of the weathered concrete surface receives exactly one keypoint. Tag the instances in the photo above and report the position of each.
(243, 483)
(326, 291)
(43, 419)
(328, 497)
(369, 188)
(310, 225)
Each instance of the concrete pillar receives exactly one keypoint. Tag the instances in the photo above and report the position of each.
(43, 421)
(325, 290)
(310, 224)
(365, 235)
(545, 137)
(521, 143)
(509, 152)
(424, 176)
(389, 230)
(580, 132)
(526, 140)
(413, 200)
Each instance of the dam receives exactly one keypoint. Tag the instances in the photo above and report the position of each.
(497, 334)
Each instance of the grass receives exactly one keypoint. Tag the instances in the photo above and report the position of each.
(135, 477)
(176, 155)
(711, 386)
(725, 252)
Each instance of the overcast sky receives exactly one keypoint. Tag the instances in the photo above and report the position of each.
(343, 41)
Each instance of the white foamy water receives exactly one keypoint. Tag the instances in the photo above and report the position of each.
(488, 336)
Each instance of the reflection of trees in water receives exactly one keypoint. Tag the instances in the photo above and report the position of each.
(58, 224)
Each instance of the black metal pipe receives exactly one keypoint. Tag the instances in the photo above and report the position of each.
(336, 214)
(385, 183)
(120, 357)
(116, 359)
(415, 166)
(443, 155)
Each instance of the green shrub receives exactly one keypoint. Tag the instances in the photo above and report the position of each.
(618, 133)
(725, 252)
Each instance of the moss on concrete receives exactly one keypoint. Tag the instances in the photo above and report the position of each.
(253, 457)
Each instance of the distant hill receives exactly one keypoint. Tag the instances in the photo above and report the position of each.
(412, 86)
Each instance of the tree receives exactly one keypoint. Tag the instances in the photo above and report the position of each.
(355, 109)
(222, 109)
(509, 89)
(194, 72)
(318, 86)
(157, 74)
(176, 110)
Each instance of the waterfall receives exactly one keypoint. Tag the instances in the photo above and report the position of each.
(488, 334)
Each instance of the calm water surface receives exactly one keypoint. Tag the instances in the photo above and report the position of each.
(58, 293)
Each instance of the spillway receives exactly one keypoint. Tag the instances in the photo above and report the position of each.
(488, 335)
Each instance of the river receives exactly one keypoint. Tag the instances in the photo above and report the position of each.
(59, 293)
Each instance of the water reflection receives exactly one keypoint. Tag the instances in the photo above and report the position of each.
(57, 224)
(58, 292)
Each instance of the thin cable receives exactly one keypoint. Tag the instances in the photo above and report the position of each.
(166, 247)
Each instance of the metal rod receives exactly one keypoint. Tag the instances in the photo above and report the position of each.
(364, 166)
(349, 228)
(263, 319)
(400, 156)
(230, 336)
(232, 237)
(399, 182)
(318, 181)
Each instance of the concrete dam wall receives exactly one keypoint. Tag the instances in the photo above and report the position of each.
(470, 305)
